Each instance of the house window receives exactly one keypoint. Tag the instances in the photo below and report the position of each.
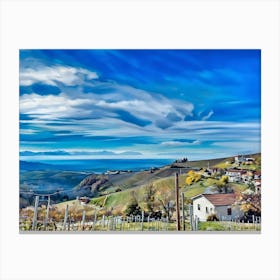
(206, 209)
(198, 206)
(211, 210)
(229, 211)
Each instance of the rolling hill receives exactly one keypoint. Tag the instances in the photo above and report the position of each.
(117, 189)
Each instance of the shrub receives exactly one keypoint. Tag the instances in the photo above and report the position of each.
(192, 177)
(133, 209)
(212, 217)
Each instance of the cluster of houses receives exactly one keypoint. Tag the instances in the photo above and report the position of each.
(240, 159)
(236, 175)
(225, 205)
(244, 176)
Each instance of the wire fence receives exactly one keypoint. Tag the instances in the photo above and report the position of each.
(42, 220)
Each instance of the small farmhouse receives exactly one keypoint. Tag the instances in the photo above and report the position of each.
(83, 200)
(258, 184)
(249, 160)
(223, 205)
(247, 176)
(235, 175)
(257, 175)
(239, 159)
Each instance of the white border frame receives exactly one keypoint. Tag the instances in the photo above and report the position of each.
(139, 24)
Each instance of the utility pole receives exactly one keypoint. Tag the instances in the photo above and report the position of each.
(177, 201)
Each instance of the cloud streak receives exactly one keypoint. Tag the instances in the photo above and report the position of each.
(127, 105)
(54, 75)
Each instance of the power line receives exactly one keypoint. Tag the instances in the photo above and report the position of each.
(45, 194)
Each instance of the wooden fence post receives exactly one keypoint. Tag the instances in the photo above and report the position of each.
(83, 219)
(191, 216)
(196, 223)
(103, 221)
(65, 217)
(177, 201)
(183, 211)
(94, 220)
(34, 222)
(142, 221)
(47, 213)
(113, 223)
(69, 222)
(108, 223)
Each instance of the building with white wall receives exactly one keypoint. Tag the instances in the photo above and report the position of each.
(223, 205)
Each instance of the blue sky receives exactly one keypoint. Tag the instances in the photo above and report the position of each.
(139, 103)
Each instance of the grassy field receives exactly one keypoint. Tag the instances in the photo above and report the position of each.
(228, 226)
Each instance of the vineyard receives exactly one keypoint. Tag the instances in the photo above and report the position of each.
(71, 220)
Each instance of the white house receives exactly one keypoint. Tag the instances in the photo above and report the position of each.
(257, 175)
(222, 204)
(249, 160)
(234, 175)
(258, 184)
(83, 200)
(247, 177)
(239, 159)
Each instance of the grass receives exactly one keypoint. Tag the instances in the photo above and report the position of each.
(153, 226)
(194, 190)
(117, 199)
(253, 167)
(224, 165)
(227, 226)
(238, 187)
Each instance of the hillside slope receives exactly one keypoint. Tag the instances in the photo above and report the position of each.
(118, 188)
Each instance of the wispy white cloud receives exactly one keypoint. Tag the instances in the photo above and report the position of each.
(172, 144)
(52, 106)
(28, 131)
(208, 116)
(56, 74)
(124, 104)
(179, 143)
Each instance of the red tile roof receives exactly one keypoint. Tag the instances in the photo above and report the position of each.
(221, 198)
